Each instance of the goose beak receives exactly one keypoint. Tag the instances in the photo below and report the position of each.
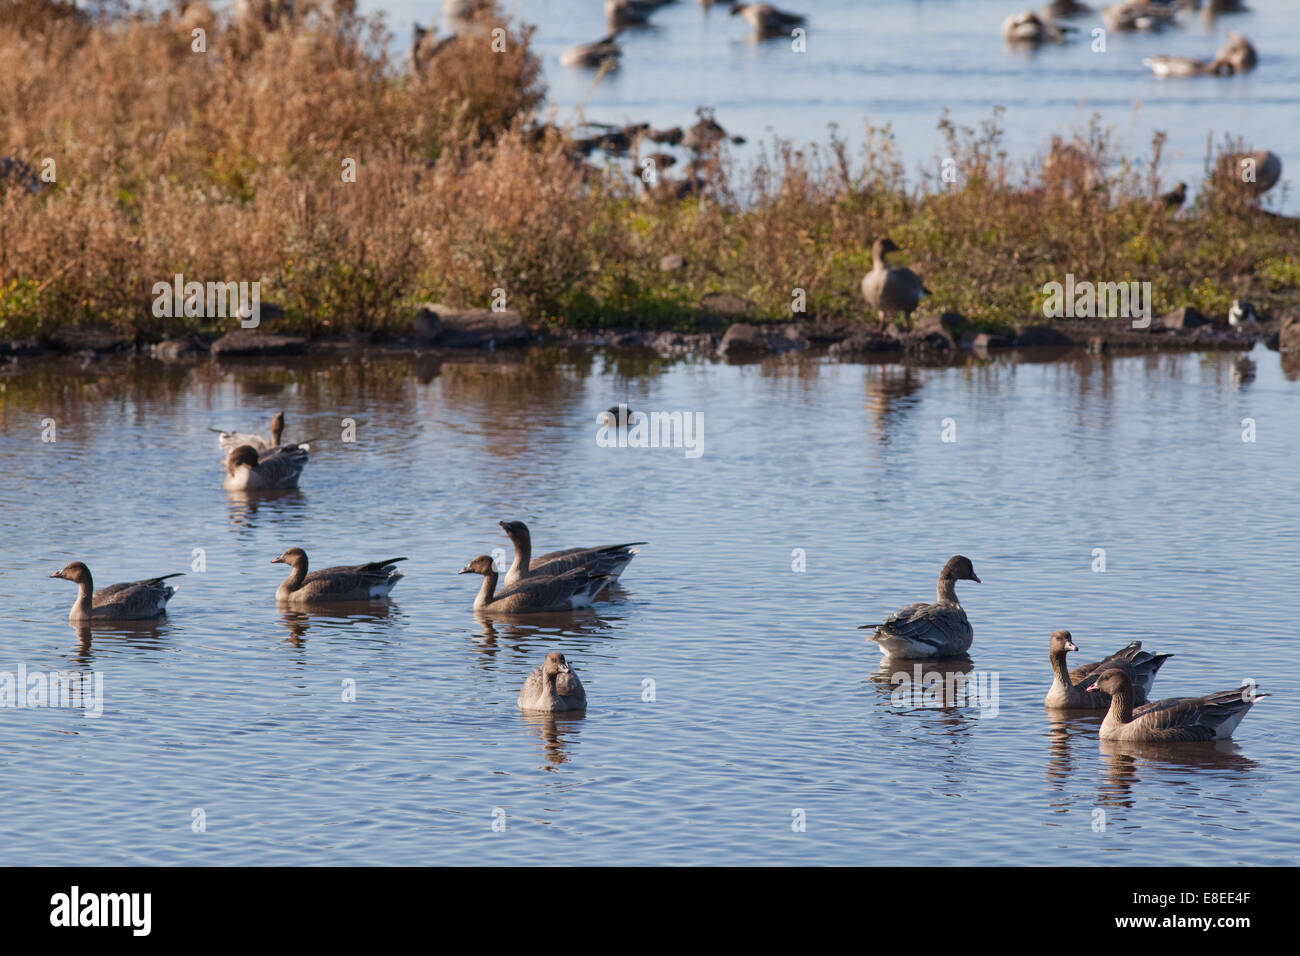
(464, 570)
(1071, 646)
(278, 559)
(56, 574)
(564, 668)
(1093, 688)
(976, 578)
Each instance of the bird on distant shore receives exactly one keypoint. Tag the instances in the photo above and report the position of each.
(767, 20)
(1241, 313)
(1175, 197)
(889, 289)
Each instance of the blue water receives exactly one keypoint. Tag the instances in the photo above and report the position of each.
(766, 700)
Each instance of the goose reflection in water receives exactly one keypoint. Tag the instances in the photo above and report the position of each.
(340, 616)
(1127, 764)
(150, 634)
(578, 629)
(557, 732)
(951, 688)
(286, 503)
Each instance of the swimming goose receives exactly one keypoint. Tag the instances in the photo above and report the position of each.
(608, 559)
(621, 14)
(280, 468)
(360, 582)
(889, 289)
(1028, 27)
(767, 20)
(1070, 688)
(133, 601)
(229, 441)
(1179, 66)
(930, 630)
(1237, 55)
(1212, 717)
(563, 592)
(1133, 15)
(553, 687)
(1059, 9)
(593, 55)
(610, 416)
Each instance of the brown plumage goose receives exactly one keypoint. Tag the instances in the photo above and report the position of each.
(229, 441)
(891, 290)
(359, 582)
(132, 601)
(280, 468)
(563, 592)
(930, 630)
(609, 559)
(1029, 27)
(592, 55)
(1070, 687)
(767, 20)
(1212, 717)
(1133, 15)
(1237, 55)
(553, 687)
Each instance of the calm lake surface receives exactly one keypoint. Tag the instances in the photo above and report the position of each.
(903, 62)
(767, 700)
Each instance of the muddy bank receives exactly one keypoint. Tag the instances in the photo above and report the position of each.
(932, 339)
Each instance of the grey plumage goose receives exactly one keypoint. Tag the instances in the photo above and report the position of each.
(229, 441)
(1174, 719)
(891, 290)
(609, 559)
(592, 55)
(1060, 9)
(280, 468)
(767, 20)
(930, 630)
(1070, 688)
(131, 601)
(1237, 55)
(553, 687)
(1029, 27)
(359, 582)
(563, 592)
(621, 14)
(1133, 15)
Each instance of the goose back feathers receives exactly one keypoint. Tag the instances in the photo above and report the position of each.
(1174, 719)
(609, 559)
(930, 630)
(359, 582)
(131, 601)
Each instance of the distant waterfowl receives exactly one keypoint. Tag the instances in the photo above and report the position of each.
(133, 601)
(1237, 55)
(280, 468)
(1255, 173)
(1241, 313)
(609, 559)
(767, 20)
(930, 630)
(229, 441)
(1175, 197)
(592, 55)
(1134, 15)
(610, 416)
(1164, 66)
(891, 289)
(553, 687)
(538, 593)
(360, 582)
(1070, 688)
(1212, 717)
(1060, 9)
(1243, 369)
(1028, 27)
(621, 14)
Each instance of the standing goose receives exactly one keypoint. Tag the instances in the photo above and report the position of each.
(609, 559)
(889, 289)
(229, 441)
(1212, 717)
(1070, 687)
(280, 468)
(930, 630)
(361, 582)
(767, 20)
(564, 592)
(553, 687)
(132, 601)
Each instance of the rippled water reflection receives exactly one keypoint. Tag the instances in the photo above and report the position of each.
(765, 698)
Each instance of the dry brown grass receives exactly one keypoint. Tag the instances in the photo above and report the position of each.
(226, 165)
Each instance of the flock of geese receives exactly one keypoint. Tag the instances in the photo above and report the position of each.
(575, 577)
(1121, 682)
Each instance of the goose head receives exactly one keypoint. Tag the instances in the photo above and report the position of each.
(1114, 681)
(1062, 642)
(555, 664)
(277, 427)
(882, 247)
(73, 571)
(294, 557)
(959, 568)
(480, 565)
(243, 455)
(516, 531)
